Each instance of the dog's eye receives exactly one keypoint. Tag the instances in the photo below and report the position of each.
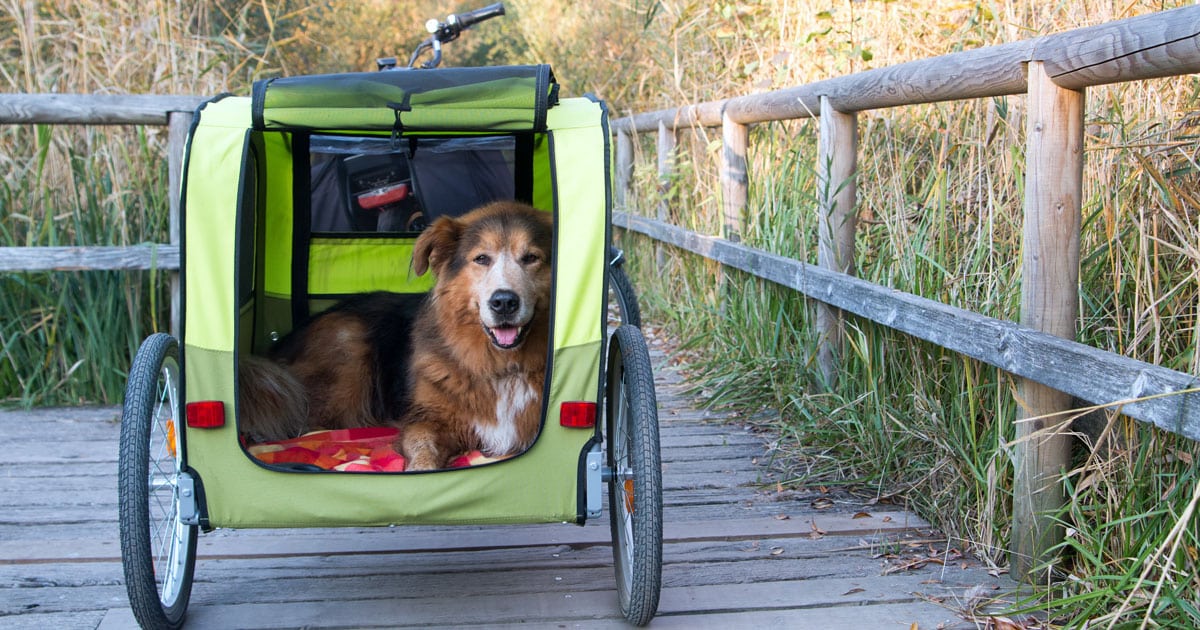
(529, 259)
(482, 259)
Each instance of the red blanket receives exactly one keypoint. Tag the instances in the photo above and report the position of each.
(368, 449)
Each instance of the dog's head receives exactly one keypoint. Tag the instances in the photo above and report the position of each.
(492, 264)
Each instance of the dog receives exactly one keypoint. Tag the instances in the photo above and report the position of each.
(463, 371)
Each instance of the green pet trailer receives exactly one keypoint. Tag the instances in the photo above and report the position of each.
(315, 188)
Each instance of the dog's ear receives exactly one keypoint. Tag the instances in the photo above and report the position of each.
(436, 245)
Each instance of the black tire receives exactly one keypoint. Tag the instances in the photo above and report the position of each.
(158, 550)
(635, 485)
(625, 299)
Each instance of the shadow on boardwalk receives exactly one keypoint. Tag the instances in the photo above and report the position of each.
(736, 553)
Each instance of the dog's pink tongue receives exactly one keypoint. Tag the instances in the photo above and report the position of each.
(506, 335)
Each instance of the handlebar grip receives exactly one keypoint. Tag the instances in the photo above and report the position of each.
(470, 18)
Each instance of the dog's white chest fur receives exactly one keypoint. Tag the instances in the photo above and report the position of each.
(513, 395)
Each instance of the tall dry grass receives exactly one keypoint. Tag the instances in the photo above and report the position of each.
(940, 204)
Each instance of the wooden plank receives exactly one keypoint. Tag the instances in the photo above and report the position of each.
(837, 207)
(897, 616)
(462, 538)
(163, 257)
(857, 595)
(686, 562)
(1049, 303)
(96, 586)
(36, 621)
(93, 109)
(1147, 392)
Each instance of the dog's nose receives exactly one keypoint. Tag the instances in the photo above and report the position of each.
(504, 302)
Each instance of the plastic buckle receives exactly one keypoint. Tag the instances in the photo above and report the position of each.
(185, 496)
(594, 481)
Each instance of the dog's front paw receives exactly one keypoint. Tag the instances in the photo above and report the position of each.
(423, 461)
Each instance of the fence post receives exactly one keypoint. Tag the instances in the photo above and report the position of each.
(178, 125)
(735, 138)
(624, 168)
(666, 170)
(1049, 303)
(837, 162)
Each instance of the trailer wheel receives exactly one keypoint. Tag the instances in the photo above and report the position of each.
(621, 289)
(635, 482)
(158, 550)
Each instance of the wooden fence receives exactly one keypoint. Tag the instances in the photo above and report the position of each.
(1053, 71)
(174, 112)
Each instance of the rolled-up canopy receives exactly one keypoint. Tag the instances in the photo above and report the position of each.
(503, 98)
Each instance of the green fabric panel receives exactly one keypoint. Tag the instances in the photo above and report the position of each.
(340, 266)
(543, 181)
(277, 178)
(579, 147)
(506, 98)
(538, 486)
(230, 111)
(211, 201)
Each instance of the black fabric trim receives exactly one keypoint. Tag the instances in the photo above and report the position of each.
(399, 236)
(259, 152)
(301, 226)
(547, 96)
(608, 236)
(258, 101)
(239, 283)
(201, 497)
(523, 167)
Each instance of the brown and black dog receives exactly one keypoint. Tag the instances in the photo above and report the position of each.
(464, 372)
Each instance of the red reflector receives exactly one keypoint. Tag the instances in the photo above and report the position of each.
(207, 414)
(380, 197)
(577, 415)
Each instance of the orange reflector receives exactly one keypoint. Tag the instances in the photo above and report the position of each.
(206, 414)
(171, 439)
(577, 415)
(629, 496)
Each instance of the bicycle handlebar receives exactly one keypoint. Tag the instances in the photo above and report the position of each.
(442, 32)
(471, 18)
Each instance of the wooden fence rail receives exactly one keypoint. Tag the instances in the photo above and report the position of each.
(1053, 71)
(175, 112)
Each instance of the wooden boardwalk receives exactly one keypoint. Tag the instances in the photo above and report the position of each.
(737, 552)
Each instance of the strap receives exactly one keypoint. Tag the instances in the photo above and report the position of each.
(301, 226)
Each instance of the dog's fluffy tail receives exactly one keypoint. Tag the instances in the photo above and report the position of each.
(271, 401)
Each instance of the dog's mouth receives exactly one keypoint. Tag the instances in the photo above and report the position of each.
(506, 337)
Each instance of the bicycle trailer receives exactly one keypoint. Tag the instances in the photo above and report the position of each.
(313, 189)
